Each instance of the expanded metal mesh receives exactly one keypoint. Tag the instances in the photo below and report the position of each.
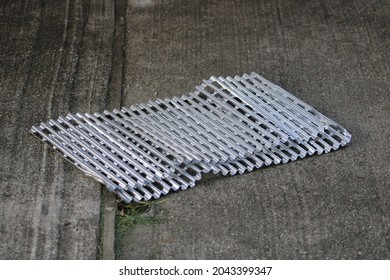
(226, 126)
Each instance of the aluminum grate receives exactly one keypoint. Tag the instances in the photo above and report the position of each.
(226, 126)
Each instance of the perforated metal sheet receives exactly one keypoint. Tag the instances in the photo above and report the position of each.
(227, 126)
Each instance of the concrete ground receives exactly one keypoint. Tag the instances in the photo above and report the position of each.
(332, 54)
(55, 57)
(84, 56)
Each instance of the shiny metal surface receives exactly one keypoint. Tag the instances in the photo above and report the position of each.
(227, 126)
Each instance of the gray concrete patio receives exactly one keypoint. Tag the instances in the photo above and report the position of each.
(332, 54)
(56, 57)
(85, 56)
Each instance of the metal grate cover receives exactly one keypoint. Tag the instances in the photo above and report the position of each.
(226, 126)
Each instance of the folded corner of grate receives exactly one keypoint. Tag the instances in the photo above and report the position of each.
(225, 126)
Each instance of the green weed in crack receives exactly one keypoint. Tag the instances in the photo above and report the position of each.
(131, 215)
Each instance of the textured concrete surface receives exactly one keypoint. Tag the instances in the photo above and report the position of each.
(66, 56)
(333, 55)
(56, 57)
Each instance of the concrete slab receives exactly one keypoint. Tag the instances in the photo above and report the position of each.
(332, 54)
(55, 57)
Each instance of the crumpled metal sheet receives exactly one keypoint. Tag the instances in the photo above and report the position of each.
(226, 126)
